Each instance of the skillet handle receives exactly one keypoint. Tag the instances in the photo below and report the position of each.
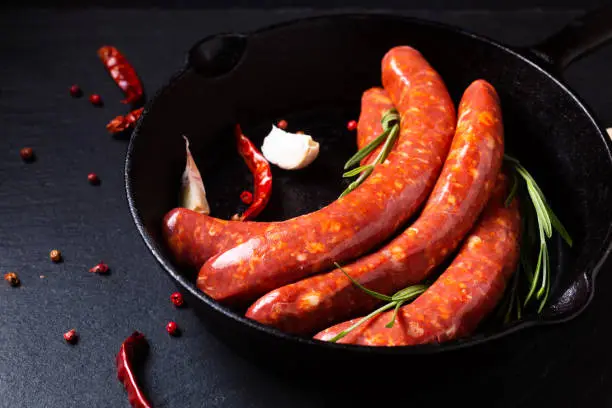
(217, 55)
(577, 39)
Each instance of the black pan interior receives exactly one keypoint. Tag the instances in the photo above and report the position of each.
(312, 73)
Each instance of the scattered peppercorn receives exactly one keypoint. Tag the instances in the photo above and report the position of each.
(95, 99)
(282, 124)
(93, 179)
(352, 125)
(75, 91)
(100, 268)
(246, 197)
(12, 278)
(177, 299)
(173, 329)
(71, 336)
(235, 217)
(27, 154)
(55, 255)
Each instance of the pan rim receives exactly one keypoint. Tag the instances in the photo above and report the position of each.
(604, 251)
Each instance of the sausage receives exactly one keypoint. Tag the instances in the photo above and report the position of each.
(458, 197)
(193, 238)
(357, 222)
(462, 296)
(374, 100)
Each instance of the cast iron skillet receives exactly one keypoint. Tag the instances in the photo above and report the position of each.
(312, 73)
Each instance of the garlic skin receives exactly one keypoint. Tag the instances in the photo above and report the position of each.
(289, 151)
(193, 193)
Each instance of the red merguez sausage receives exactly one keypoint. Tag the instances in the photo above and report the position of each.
(459, 196)
(374, 100)
(357, 222)
(462, 296)
(193, 238)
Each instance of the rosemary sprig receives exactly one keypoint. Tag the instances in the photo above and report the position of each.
(396, 301)
(538, 279)
(390, 124)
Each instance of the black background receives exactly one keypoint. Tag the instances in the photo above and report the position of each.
(49, 204)
(326, 4)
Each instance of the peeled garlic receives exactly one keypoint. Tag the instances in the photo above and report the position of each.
(289, 151)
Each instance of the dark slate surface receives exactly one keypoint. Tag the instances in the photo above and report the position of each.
(49, 204)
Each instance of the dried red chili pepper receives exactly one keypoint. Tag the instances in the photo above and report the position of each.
(262, 174)
(122, 72)
(246, 197)
(132, 351)
(121, 123)
(177, 299)
(100, 268)
(352, 125)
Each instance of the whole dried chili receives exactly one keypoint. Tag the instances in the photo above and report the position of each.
(262, 174)
(121, 123)
(132, 351)
(100, 268)
(122, 72)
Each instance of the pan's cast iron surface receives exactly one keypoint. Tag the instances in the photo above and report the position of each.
(312, 72)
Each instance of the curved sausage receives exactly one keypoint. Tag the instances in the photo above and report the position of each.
(193, 238)
(462, 296)
(357, 222)
(369, 125)
(459, 196)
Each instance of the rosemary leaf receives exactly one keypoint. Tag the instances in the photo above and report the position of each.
(545, 298)
(409, 292)
(558, 226)
(364, 175)
(512, 190)
(545, 272)
(378, 311)
(397, 308)
(536, 276)
(367, 149)
(382, 156)
(356, 171)
(389, 118)
(366, 290)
